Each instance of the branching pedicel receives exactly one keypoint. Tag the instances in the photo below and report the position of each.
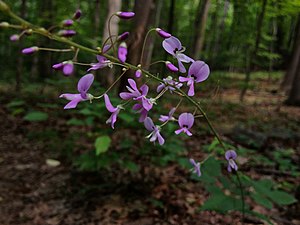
(198, 71)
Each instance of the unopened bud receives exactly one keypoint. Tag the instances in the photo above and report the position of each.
(67, 23)
(122, 52)
(67, 33)
(29, 51)
(3, 6)
(138, 73)
(125, 15)
(28, 32)
(171, 67)
(123, 37)
(4, 24)
(77, 14)
(162, 33)
(68, 68)
(14, 37)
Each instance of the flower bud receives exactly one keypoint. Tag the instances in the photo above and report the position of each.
(67, 33)
(123, 36)
(125, 15)
(171, 67)
(68, 68)
(67, 23)
(138, 73)
(122, 52)
(4, 24)
(77, 14)
(58, 66)
(3, 6)
(29, 51)
(106, 48)
(14, 37)
(162, 33)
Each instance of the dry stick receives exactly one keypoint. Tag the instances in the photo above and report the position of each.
(44, 32)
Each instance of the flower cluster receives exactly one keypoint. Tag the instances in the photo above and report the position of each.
(183, 82)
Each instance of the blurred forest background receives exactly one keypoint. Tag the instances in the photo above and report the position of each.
(68, 167)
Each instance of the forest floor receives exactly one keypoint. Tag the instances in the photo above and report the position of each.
(37, 191)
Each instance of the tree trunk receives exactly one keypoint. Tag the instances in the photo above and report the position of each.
(153, 21)
(142, 11)
(250, 65)
(113, 6)
(292, 68)
(294, 96)
(20, 57)
(200, 24)
(219, 33)
(97, 19)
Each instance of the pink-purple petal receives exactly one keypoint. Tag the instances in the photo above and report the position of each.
(108, 104)
(85, 83)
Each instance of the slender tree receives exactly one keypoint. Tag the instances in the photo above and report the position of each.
(113, 6)
(288, 79)
(250, 64)
(200, 24)
(142, 11)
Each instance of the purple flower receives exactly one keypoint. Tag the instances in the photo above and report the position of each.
(196, 168)
(122, 52)
(140, 109)
(14, 37)
(114, 110)
(125, 15)
(77, 14)
(163, 118)
(102, 62)
(133, 91)
(171, 67)
(29, 51)
(83, 86)
(162, 33)
(198, 72)
(123, 36)
(138, 73)
(67, 33)
(173, 46)
(67, 23)
(67, 67)
(137, 94)
(155, 131)
(230, 156)
(185, 121)
(166, 85)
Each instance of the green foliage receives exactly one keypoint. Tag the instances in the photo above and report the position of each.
(102, 144)
(36, 116)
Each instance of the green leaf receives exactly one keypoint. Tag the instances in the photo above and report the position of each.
(75, 122)
(261, 200)
(36, 116)
(222, 203)
(16, 103)
(102, 144)
(131, 166)
(281, 197)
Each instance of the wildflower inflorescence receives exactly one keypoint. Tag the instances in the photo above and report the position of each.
(138, 95)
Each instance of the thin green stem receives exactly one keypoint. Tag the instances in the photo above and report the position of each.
(55, 50)
(243, 197)
(82, 64)
(116, 81)
(144, 44)
(109, 32)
